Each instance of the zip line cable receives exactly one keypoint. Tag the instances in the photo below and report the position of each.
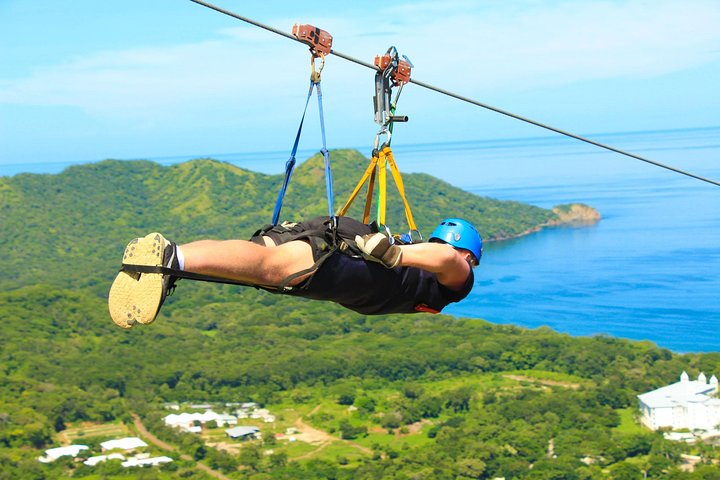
(469, 100)
(563, 132)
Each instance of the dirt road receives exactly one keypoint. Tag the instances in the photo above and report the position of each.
(321, 438)
(166, 446)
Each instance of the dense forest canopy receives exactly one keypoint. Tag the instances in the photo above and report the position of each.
(489, 400)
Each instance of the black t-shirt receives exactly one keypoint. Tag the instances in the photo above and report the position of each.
(370, 288)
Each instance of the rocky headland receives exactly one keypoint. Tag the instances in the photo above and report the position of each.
(566, 215)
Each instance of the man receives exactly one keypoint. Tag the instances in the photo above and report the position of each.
(339, 260)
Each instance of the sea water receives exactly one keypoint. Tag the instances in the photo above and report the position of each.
(649, 270)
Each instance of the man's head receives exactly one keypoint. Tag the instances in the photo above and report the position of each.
(460, 234)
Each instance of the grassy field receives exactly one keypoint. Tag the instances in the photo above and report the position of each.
(337, 450)
(296, 450)
(544, 377)
(76, 433)
(628, 425)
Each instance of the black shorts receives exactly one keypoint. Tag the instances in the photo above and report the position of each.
(345, 277)
(312, 232)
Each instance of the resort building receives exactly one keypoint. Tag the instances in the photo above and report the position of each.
(691, 404)
(142, 462)
(243, 433)
(54, 453)
(191, 422)
(92, 461)
(128, 443)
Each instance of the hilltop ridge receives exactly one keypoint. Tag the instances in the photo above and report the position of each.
(86, 214)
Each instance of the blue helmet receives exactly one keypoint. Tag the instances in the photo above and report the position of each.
(460, 234)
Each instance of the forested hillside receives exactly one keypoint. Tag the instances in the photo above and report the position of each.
(400, 397)
(68, 229)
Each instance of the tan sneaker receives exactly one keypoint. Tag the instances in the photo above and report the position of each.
(137, 297)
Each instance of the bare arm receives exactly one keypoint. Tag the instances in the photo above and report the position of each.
(450, 266)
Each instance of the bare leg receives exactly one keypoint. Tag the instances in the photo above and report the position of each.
(246, 261)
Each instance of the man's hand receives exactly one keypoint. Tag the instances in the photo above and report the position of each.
(377, 246)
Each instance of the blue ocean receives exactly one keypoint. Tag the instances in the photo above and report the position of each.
(649, 270)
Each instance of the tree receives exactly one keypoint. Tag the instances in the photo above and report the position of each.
(346, 398)
(412, 390)
(470, 468)
(707, 472)
(200, 452)
(459, 399)
(278, 459)
(391, 420)
(430, 407)
(365, 405)
(250, 456)
(626, 471)
(348, 431)
(220, 460)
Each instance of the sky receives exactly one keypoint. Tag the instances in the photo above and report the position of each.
(88, 80)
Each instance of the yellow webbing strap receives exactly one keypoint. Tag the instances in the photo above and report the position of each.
(378, 166)
(368, 198)
(369, 171)
(382, 184)
(401, 188)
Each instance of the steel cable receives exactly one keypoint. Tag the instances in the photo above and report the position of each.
(469, 100)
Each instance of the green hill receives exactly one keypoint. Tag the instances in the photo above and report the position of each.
(68, 229)
(433, 396)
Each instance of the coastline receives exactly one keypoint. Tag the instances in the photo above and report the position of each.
(574, 215)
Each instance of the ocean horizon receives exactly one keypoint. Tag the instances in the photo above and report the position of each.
(422, 157)
(649, 270)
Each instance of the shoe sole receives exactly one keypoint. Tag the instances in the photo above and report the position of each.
(136, 297)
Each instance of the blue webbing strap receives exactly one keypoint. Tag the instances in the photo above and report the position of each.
(326, 155)
(290, 164)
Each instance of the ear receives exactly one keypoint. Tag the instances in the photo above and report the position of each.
(467, 255)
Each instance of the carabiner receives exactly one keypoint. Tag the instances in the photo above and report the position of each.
(315, 72)
(383, 131)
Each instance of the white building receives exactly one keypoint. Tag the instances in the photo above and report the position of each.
(127, 443)
(54, 453)
(259, 413)
(92, 461)
(141, 462)
(226, 420)
(243, 432)
(186, 421)
(684, 404)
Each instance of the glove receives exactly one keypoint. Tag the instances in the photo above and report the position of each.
(378, 248)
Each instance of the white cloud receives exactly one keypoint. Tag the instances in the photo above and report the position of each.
(468, 46)
(555, 43)
(198, 73)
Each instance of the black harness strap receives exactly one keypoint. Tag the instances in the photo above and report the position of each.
(174, 272)
(284, 285)
(329, 232)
